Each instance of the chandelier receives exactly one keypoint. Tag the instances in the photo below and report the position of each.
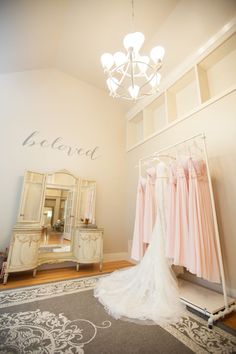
(131, 75)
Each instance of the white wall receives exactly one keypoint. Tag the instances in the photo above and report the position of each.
(57, 105)
(189, 26)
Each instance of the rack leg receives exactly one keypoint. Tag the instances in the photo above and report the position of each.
(5, 278)
(221, 314)
(210, 322)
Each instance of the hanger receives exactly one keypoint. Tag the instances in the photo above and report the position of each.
(155, 157)
(167, 156)
(194, 143)
(195, 149)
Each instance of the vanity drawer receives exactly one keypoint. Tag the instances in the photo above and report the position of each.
(89, 248)
(23, 252)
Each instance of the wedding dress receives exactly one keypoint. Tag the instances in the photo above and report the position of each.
(147, 291)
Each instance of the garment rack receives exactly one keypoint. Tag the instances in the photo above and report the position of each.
(228, 307)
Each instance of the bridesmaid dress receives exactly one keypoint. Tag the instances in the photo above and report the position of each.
(150, 205)
(137, 250)
(181, 215)
(147, 291)
(203, 260)
(170, 215)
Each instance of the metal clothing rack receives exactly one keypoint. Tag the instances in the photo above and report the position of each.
(229, 304)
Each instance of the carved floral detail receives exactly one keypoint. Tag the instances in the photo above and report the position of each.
(44, 332)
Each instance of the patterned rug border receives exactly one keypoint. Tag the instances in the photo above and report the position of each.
(185, 340)
(17, 296)
(189, 342)
(53, 282)
(204, 322)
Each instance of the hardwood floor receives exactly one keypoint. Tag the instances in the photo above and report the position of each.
(22, 279)
(230, 320)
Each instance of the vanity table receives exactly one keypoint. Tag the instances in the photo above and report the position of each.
(56, 223)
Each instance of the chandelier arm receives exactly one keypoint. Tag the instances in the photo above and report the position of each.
(154, 68)
(132, 99)
(124, 73)
(117, 68)
(119, 84)
(146, 77)
(131, 67)
(149, 79)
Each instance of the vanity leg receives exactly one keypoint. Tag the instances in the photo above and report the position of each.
(77, 267)
(100, 266)
(34, 272)
(5, 278)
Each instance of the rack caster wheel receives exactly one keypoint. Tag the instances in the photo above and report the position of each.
(210, 323)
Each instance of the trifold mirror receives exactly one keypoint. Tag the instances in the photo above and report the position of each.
(58, 201)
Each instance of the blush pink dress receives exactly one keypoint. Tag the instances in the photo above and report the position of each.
(202, 260)
(137, 250)
(170, 213)
(150, 205)
(181, 215)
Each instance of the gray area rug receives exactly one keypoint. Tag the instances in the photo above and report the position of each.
(64, 317)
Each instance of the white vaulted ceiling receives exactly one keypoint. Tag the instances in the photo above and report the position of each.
(71, 35)
(96, 26)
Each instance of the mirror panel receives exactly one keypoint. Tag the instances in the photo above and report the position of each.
(31, 202)
(58, 212)
(87, 202)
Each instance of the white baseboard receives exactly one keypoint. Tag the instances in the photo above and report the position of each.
(231, 292)
(129, 247)
(109, 257)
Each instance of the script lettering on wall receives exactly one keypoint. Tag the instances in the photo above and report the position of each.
(34, 139)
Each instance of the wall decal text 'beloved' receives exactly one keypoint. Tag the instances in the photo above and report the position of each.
(57, 144)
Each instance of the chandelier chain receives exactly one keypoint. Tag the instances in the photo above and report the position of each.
(132, 3)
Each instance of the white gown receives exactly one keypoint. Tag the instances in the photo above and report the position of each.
(149, 290)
